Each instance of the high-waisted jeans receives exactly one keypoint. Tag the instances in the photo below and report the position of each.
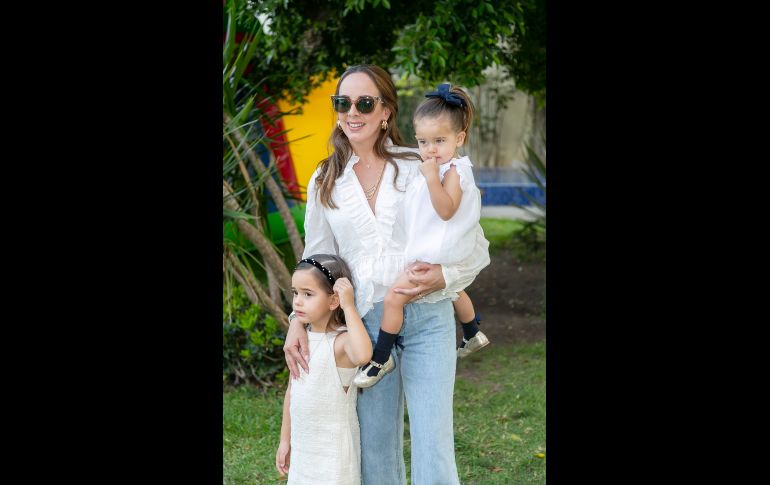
(425, 355)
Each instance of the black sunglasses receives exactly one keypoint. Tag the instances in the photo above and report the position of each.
(364, 104)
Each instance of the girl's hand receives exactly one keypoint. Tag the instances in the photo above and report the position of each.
(295, 349)
(429, 168)
(282, 458)
(344, 290)
(426, 277)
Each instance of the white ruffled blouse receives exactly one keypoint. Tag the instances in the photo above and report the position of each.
(367, 242)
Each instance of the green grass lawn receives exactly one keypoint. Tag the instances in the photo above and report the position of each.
(499, 422)
(524, 240)
(499, 231)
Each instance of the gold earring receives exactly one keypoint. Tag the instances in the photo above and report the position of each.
(384, 125)
(339, 125)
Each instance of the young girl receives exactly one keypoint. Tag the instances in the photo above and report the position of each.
(444, 235)
(320, 433)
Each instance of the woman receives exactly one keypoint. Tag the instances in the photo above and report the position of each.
(353, 200)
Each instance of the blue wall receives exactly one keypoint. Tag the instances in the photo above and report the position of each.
(506, 186)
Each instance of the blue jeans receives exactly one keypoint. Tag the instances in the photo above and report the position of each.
(425, 375)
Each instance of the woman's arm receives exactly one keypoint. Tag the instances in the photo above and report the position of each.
(450, 278)
(459, 275)
(319, 239)
(295, 349)
(357, 344)
(445, 197)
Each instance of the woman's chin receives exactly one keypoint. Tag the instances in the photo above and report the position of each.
(359, 137)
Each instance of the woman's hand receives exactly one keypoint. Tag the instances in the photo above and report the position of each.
(282, 458)
(295, 349)
(426, 277)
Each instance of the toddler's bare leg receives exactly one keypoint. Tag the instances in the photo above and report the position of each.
(393, 309)
(464, 308)
(390, 325)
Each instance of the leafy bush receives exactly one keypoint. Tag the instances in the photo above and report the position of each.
(528, 242)
(252, 342)
(525, 239)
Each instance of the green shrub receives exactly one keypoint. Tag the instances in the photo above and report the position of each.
(252, 341)
(524, 239)
(528, 242)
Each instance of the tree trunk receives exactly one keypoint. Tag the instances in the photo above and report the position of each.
(275, 192)
(254, 290)
(272, 285)
(269, 256)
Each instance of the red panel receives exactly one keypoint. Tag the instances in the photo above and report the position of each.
(279, 144)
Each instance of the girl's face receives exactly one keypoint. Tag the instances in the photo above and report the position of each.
(436, 138)
(361, 129)
(311, 303)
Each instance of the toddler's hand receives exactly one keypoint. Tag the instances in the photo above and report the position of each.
(344, 289)
(429, 168)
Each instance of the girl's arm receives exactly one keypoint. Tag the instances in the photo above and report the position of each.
(357, 344)
(283, 454)
(445, 198)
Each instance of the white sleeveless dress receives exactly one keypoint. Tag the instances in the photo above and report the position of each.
(325, 437)
(428, 237)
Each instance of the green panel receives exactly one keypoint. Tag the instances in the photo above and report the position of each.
(277, 228)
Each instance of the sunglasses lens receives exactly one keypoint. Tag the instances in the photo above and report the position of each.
(365, 104)
(341, 105)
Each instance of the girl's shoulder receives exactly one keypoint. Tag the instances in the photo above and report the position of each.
(463, 162)
(464, 169)
(339, 333)
(340, 356)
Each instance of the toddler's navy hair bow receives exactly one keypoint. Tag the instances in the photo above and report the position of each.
(443, 93)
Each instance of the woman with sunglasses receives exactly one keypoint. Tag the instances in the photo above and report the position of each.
(353, 202)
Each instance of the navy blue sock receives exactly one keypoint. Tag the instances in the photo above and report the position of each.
(382, 350)
(470, 329)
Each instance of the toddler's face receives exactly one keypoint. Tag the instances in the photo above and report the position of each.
(436, 138)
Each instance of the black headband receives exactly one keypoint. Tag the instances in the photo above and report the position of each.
(321, 267)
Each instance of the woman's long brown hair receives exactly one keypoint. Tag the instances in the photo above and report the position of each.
(333, 166)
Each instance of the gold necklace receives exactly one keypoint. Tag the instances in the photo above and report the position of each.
(369, 193)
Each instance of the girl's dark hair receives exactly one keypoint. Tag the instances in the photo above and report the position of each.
(460, 117)
(339, 269)
(333, 166)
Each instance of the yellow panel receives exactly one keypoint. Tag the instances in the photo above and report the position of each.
(316, 123)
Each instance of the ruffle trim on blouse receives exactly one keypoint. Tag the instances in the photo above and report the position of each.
(382, 262)
(382, 271)
(375, 232)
